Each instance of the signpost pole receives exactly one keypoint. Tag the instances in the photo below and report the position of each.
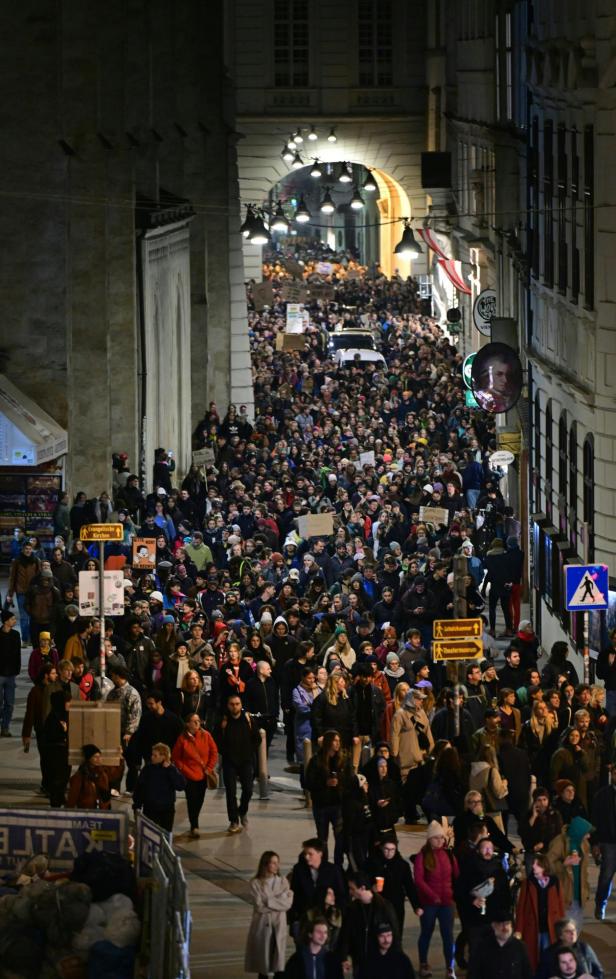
(101, 600)
(586, 619)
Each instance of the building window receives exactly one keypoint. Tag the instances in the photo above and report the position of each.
(375, 43)
(589, 217)
(575, 196)
(537, 466)
(573, 476)
(589, 493)
(549, 460)
(563, 471)
(548, 192)
(561, 233)
(291, 49)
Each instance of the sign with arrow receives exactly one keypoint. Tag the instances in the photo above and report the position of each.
(454, 649)
(587, 587)
(101, 532)
(458, 628)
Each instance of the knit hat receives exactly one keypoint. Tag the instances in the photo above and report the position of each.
(339, 630)
(561, 784)
(89, 750)
(46, 573)
(266, 617)
(168, 618)
(389, 659)
(156, 596)
(435, 829)
(525, 626)
(294, 574)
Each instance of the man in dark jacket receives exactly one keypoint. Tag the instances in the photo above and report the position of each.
(369, 703)
(388, 960)
(498, 955)
(10, 665)
(606, 671)
(261, 697)
(312, 959)
(540, 825)
(364, 916)
(137, 653)
(310, 878)
(567, 935)
(511, 675)
(397, 875)
(237, 737)
(604, 838)
(498, 575)
(43, 605)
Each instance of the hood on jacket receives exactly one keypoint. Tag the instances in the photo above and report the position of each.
(281, 619)
(576, 831)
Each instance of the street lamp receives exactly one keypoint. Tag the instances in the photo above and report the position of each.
(327, 204)
(345, 177)
(279, 221)
(302, 214)
(407, 247)
(298, 163)
(369, 184)
(316, 171)
(357, 201)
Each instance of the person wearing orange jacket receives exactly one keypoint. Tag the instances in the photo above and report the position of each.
(195, 755)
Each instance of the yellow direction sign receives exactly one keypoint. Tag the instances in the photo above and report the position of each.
(101, 531)
(458, 649)
(458, 628)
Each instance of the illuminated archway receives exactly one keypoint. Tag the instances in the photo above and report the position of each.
(393, 204)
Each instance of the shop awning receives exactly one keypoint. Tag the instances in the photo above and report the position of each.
(49, 439)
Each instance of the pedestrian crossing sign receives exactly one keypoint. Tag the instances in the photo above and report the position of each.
(587, 587)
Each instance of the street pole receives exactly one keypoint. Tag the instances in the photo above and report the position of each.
(101, 601)
(586, 619)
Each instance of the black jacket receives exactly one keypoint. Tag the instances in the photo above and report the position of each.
(308, 892)
(399, 883)
(368, 697)
(604, 815)
(10, 653)
(394, 964)
(237, 739)
(261, 697)
(605, 671)
(489, 960)
(359, 927)
(300, 965)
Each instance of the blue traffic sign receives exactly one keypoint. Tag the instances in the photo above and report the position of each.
(587, 587)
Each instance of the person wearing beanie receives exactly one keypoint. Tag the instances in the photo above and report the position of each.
(436, 870)
(528, 644)
(394, 672)
(10, 666)
(89, 787)
(566, 801)
(411, 743)
(42, 654)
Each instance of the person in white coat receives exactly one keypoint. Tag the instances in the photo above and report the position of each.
(271, 897)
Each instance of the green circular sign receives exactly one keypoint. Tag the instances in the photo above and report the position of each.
(467, 367)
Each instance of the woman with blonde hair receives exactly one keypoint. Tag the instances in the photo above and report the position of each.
(400, 692)
(271, 896)
(341, 648)
(538, 738)
(334, 710)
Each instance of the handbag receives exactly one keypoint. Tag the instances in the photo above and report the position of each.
(211, 777)
(434, 800)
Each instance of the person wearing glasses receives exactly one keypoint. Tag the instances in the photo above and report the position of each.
(474, 813)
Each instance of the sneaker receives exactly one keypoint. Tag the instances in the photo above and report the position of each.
(115, 793)
(599, 914)
(451, 974)
(234, 828)
(244, 821)
(194, 834)
(424, 970)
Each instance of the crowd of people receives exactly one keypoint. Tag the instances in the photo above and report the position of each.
(245, 626)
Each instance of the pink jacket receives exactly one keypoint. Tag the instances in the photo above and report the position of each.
(436, 886)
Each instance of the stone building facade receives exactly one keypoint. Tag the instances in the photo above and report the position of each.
(121, 293)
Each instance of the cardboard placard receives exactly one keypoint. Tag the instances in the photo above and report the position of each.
(293, 292)
(434, 514)
(315, 525)
(293, 268)
(204, 457)
(94, 722)
(353, 274)
(322, 291)
(144, 553)
(367, 458)
(290, 341)
(89, 593)
(295, 318)
(262, 295)
(325, 268)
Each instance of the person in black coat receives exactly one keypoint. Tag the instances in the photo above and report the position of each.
(362, 920)
(311, 876)
(388, 960)
(156, 786)
(514, 765)
(333, 710)
(385, 800)
(498, 955)
(387, 862)
(312, 957)
(480, 866)
(558, 668)
(262, 698)
(368, 703)
(54, 749)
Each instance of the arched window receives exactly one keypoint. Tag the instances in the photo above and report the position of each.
(573, 479)
(549, 459)
(562, 471)
(589, 492)
(536, 479)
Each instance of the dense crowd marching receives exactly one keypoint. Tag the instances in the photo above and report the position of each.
(244, 626)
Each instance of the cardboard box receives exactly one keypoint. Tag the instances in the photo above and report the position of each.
(94, 722)
(315, 525)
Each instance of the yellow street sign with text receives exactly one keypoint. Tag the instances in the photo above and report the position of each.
(453, 649)
(101, 532)
(458, 628)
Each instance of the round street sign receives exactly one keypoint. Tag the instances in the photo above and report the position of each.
(484, 308)
(467, 367)
(502, 458)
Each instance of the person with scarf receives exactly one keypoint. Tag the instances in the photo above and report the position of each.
(234, 674)
(89, 787)
(394, 673)
(540, 905)
(570, 761)
(569, 856)
(411, 743)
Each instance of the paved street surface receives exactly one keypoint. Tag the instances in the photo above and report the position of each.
(218, 866)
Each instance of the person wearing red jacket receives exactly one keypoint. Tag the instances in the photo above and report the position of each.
(435, 872)
(195, 755)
